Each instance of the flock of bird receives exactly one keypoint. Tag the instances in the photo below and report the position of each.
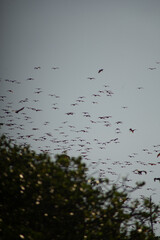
(23, 120)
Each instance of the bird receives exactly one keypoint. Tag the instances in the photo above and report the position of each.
(70, 113)
(74, 104)
(152, 68)
(90, 78)
(96, 95)
(139, 171)
(158, 155)
(100, 70)
(38, 92)
(37, 67)
(118, 122)
(132, 130)
(55, 68)
(17, 111)
(156, 179)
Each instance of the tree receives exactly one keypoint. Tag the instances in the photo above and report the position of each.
(45, 199)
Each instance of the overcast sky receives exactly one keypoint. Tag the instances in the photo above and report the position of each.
(78, 38)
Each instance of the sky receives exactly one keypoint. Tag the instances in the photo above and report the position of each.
(68, 105)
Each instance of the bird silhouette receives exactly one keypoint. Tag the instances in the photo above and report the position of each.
(55, 68)
(17, 111)
(155, 179)
(132, 130)
(152, 68)
(158, 155)
(118, 122)
(70, 113)
(100, 70)
(37, 67)
(139, 171)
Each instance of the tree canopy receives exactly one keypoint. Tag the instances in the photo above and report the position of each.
(45, 199)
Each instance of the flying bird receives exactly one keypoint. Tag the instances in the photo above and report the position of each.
(152, 68)
(37, 67)
(139, 171)
(70, 113)
(158, 155)
(96, 95)
(100, 70)
(152, 164)
(17, 111)
(118, 122)
(55, 68)
(132, 130)
(155, 179)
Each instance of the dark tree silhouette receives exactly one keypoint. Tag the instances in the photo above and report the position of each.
(49, 199)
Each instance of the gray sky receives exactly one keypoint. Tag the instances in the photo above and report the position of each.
(80, 37)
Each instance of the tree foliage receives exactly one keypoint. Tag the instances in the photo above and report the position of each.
(45, 199)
